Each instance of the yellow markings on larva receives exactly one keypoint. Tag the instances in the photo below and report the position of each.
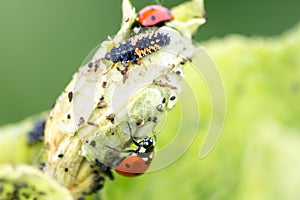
(148, 50)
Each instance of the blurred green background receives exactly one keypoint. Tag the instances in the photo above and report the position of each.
(42, 43)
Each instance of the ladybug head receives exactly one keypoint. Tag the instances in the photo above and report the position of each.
(146, 145)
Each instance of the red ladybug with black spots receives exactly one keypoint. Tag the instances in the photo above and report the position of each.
(138, 160)
(154, 14)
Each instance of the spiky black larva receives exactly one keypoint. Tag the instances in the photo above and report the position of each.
(137, 47)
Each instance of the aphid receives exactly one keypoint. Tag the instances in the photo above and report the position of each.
(81, 121)
(154, 14)
(70, 96)
(135, 48)
(138, 160)
(104, 84)
(93, 143)
(160, 108)
(111, 117)
(101, 105)
(93, 124)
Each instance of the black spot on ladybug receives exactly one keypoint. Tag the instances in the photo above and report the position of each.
(66, 169)
(172, 98)
(70, 96)
(153, 18)
(60, 155)
(69, 116)
(127, 165)
(164, 100)
(178, 72)
(101, 98)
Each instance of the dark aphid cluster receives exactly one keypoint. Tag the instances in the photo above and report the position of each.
(137, 47)
(37, 133)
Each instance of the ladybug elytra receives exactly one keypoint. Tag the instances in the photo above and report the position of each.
(154, 14)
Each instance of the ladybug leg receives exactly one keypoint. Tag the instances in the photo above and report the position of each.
(122, 151)
(132, 138)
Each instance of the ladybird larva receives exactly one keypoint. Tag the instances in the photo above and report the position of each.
(137, 47)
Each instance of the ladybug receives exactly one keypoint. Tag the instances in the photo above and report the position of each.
(154, 14)
(138, 160)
